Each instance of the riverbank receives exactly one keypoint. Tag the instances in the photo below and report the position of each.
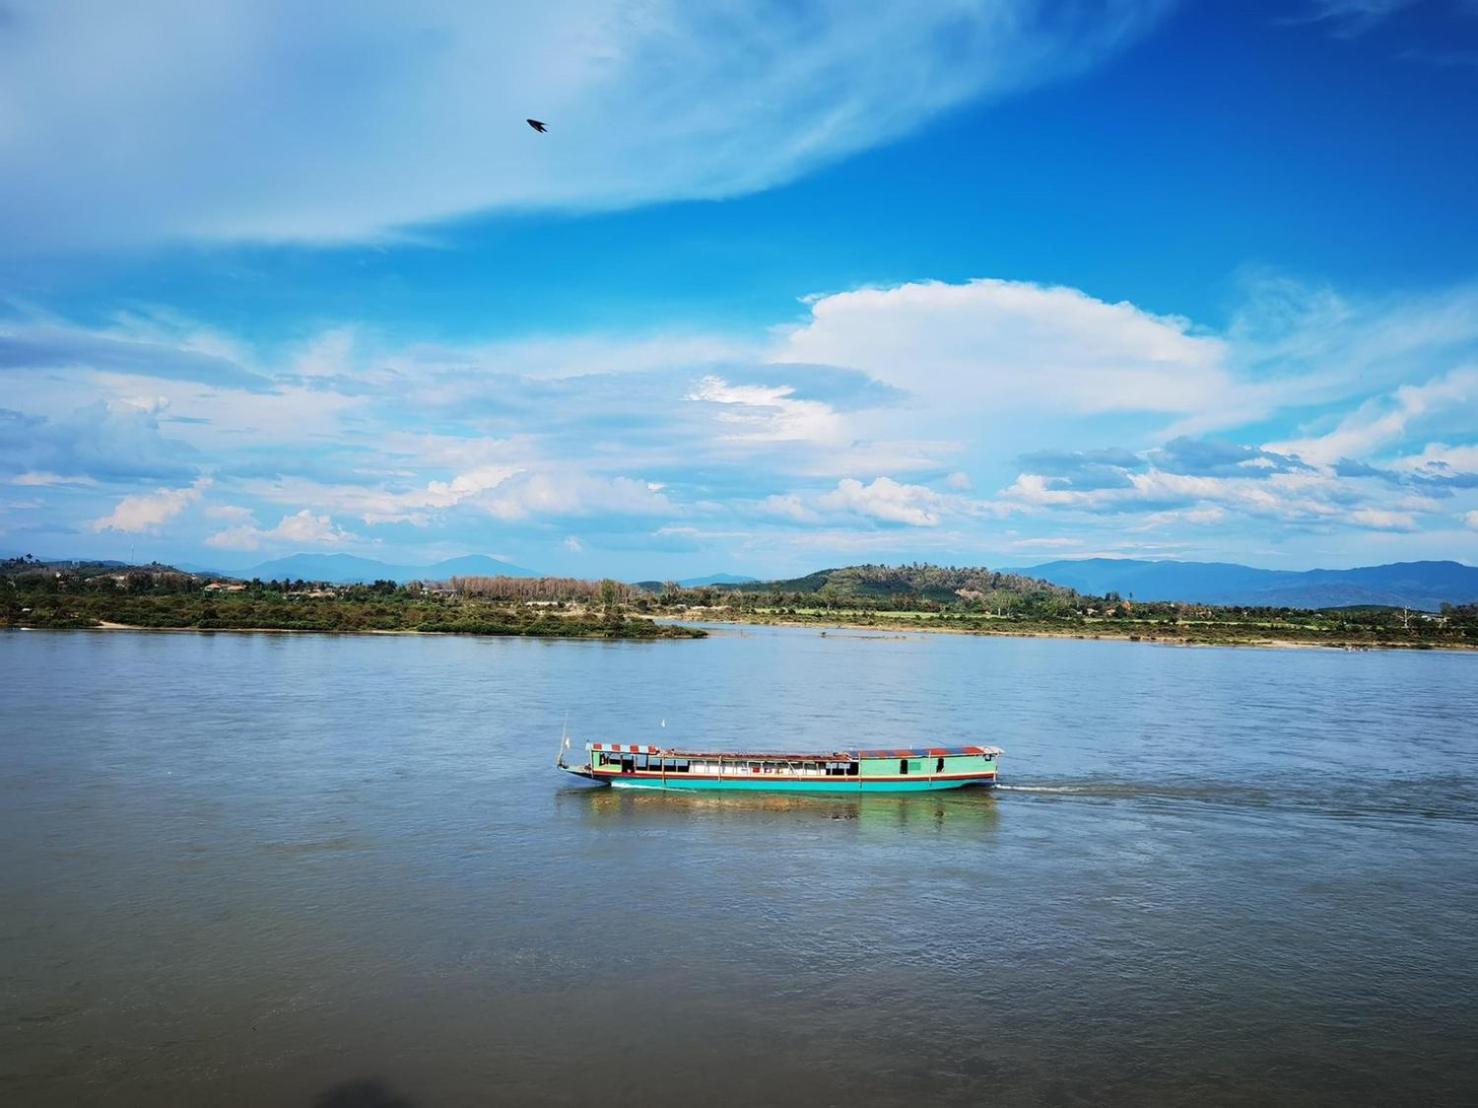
(327, 613)
(671, 631)
(1328, 636)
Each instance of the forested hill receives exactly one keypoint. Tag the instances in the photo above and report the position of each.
(941, 584)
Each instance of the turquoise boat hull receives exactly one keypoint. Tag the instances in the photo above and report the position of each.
(847, 786)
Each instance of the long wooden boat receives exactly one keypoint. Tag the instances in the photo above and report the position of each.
(925, 769)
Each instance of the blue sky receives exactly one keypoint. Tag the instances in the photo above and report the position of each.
(784, 286)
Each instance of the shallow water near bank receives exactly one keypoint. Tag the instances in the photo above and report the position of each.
(295, 869)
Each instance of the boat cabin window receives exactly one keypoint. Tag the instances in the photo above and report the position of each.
(939, 766)
(851, 769)
(902, 765)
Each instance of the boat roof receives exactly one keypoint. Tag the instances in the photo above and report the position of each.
(807, 756)
(925, 751)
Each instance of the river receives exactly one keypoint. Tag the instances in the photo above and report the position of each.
(340, 871)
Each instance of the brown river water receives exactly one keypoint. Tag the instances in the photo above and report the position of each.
(316, 870)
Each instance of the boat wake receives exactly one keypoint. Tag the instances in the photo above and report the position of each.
(1424, 799)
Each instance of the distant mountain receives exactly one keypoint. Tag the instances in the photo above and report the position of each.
(347, 569)
(717, 579)
(732, 580)
(203, 571)
(1423, 585)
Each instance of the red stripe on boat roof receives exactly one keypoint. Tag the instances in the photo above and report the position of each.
(809, 756)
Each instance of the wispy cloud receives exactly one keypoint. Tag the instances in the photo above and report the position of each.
(331, 123)
(1348, 18)
(67, 348)
(1385, 420)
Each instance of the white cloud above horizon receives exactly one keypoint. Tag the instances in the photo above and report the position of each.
(990, 343)
(979, 416)
(141, 512)
(302, 528)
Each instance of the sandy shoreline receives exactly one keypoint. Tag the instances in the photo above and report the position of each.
(923, 627)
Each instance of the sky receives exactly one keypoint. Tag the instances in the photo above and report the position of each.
(784, 285)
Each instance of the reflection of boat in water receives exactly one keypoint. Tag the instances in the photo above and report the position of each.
(926, 769)
(889, 812)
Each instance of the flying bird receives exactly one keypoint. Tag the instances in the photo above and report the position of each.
(536, 125)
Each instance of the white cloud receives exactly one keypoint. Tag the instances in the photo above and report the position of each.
(768, 413)
(1199, 517)
(375, 504)
(991, 345)
(1380, 519)
(1471, 519)
(789, 506)
(330, 354)
(1384, 420)
(307, 527)
(447, 494)
(301, 528)
(236, 538)
(573, 545)
(769, 442)
(272, 120)
(507, 492)
(150, 511)
(232, 512)
(1302, 496)
(1439, 459)
(571, 493)
(42, 479)
(887, 500)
